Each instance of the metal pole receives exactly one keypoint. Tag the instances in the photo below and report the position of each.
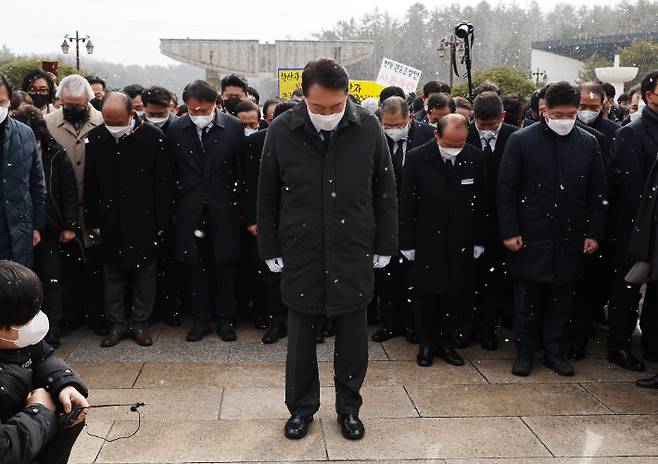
(77, 51)
(452, 52)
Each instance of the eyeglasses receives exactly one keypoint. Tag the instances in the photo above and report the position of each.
(40, 91)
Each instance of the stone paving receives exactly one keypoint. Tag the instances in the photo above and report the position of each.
(223, 402)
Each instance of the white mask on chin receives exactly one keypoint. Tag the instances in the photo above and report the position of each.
(32, 332)
(326, 122)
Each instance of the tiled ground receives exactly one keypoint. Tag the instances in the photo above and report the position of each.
(218, 402)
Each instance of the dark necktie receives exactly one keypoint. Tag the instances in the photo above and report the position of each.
(487, 145)
(326, 138)
(398, 157)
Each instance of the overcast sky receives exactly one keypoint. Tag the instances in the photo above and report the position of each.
(127, 31)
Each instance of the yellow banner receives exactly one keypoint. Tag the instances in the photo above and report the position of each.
(291, 79)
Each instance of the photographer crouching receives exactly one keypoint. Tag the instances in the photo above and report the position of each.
(36, 387)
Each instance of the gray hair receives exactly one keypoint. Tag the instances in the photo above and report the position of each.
(76, 86)
(395, 104)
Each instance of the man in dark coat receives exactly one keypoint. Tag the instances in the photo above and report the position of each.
(442, 219)
(62, 221)
(593, 290)
(128, 200)
(23, 192)
(489, 133)
(636, 146)
(393, 286)
(327, 213)
(208, 147)
(551, 209)
(271, 281)
(170, 291)
(35, 383)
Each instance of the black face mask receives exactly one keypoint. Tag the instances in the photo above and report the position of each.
(96, 103)
(40, 100)
(75, 114)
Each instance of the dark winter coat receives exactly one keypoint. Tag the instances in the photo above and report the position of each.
(23, 193)
(326, 214)
(128, 193)
(62, 207)
(552, 193)
(208, 175)
(442, 217)
(492, 242)
(634, 153)
(254, 151)
(25, 430)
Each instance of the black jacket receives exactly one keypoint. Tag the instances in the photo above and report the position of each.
(634, 153)
(326, 214)
(208, 175)
(609, 129)
(442, 215)
(61, 190)
(255, 143)
(419, 134)
(128, 193)
(551, 192)
(25, 430)
(492, 243)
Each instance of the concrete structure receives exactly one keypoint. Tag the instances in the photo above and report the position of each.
(563, 59)
(254, 59)
(616, 75)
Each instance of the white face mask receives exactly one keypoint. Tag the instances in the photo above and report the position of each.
(140, 114)
(248, 131)
(638, 114)
(587, 116)
(487, 134)
(326, 122)
(3, 113)
(434, 124)
(561, 126)
(119, 131)
(32, 332)
(202, 121)
(157, 121)
(397, 133)
(449, 153)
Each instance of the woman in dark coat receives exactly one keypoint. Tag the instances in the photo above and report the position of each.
(61, 216)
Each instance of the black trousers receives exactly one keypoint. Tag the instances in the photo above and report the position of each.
(541, 305)
(649, 320)
(495, 293)
(250, 291)
(83, 282)
(143, 285)
(436, 316)
(48, 263)
(396, 299)
(623, 309)
(170, 284)
(350, 362)
(58, 449)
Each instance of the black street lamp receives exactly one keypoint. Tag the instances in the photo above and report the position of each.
(77, 39)
(538, 74)
(454, 47)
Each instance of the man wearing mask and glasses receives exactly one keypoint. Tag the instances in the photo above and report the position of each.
(552, 201)
(327, 215)
(83, 284)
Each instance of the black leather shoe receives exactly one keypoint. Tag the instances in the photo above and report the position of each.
(226, 332)
(99, 328)
(449, 355)
(489, 341)
(260, 323)
(351, 426)
(197, 333)
(625, 359)
(559, 365)
(274, 333)
(523, 365)
(577, 352)
(385, 333)
(410, 335)
(648, 383)
(425, 356)
(461, 340)
(297, 426)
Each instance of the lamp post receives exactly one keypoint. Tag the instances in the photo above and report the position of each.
(537, 74)
(464, 31)
(454, 47)
(77, 39)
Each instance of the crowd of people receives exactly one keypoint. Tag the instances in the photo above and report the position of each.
(507, 210)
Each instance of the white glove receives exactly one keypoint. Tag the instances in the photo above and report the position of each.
(409, 254)
(275, 264)
(477, 251)
(380, 262)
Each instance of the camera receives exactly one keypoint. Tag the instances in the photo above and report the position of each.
(463, 30)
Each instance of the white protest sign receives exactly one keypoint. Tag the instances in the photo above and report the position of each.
(401, 75)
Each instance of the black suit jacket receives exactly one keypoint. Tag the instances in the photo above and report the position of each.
(419, 134)
(209, 174)
(255, 143)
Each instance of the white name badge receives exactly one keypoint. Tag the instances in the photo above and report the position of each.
(468, 181)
